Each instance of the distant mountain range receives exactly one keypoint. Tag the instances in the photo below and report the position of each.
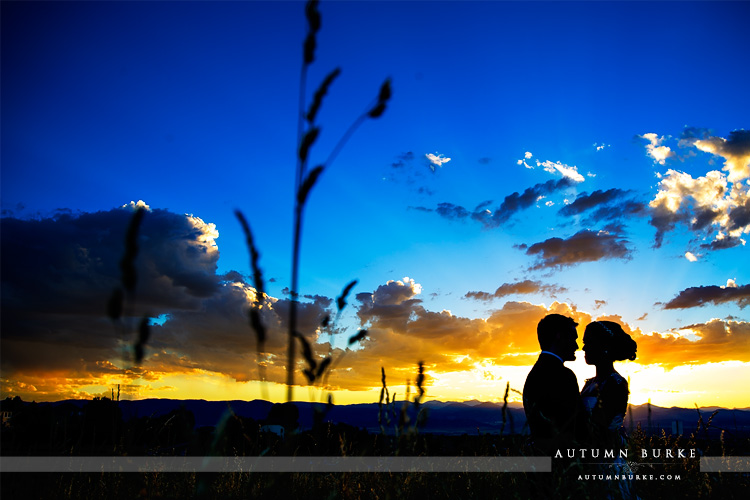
(454, 418)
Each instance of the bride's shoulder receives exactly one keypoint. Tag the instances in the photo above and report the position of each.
(618, 379)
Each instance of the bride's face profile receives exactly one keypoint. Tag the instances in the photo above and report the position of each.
(594, 350)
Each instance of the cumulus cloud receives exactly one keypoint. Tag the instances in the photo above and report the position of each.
(703, 295)
(217, 337)
(584, 246)
(136, 205)
(735, 150)
(396, 292)
(717, 341)
(404, 332)
(714, 205)
(57, 339)
(518, 288)
(655, 150)
(59, 264)
(522, 161)
(705, 204)
(436, 160)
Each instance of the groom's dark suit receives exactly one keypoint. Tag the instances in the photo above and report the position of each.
(552, 404)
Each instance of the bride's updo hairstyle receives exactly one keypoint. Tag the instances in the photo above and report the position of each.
(613, 338)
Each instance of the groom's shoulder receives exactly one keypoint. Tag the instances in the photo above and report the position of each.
(546, 366)
(569, 373)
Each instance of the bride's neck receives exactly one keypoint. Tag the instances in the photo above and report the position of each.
(604, 370)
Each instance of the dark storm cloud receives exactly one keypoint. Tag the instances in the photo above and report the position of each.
(70, 264)
(218, 338)
(59, 272)
(702, 295)
(584, 246)
(518, 288)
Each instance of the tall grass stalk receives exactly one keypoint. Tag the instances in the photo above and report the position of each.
(304, 180)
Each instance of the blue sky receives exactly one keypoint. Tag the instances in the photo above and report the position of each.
(192, 108)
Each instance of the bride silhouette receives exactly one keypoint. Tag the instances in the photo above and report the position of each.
(605, 396)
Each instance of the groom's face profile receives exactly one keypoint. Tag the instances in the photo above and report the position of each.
(557, 334)
(567, 345)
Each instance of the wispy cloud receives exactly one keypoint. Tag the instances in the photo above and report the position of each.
(518, 288)
(584, 201)
(516, 202)
(610, 205)
(403, 159)
(569, 171)
(703, 295)
(512, 204)
(414, 174)
(584, 246)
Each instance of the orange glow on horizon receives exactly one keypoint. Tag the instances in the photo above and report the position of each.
(711, 384)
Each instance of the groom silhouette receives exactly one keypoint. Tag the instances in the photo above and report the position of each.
(550, 396)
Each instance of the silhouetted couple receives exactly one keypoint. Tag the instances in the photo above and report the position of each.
(561, 418)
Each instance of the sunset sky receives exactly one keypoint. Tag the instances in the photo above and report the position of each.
(589, 159)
